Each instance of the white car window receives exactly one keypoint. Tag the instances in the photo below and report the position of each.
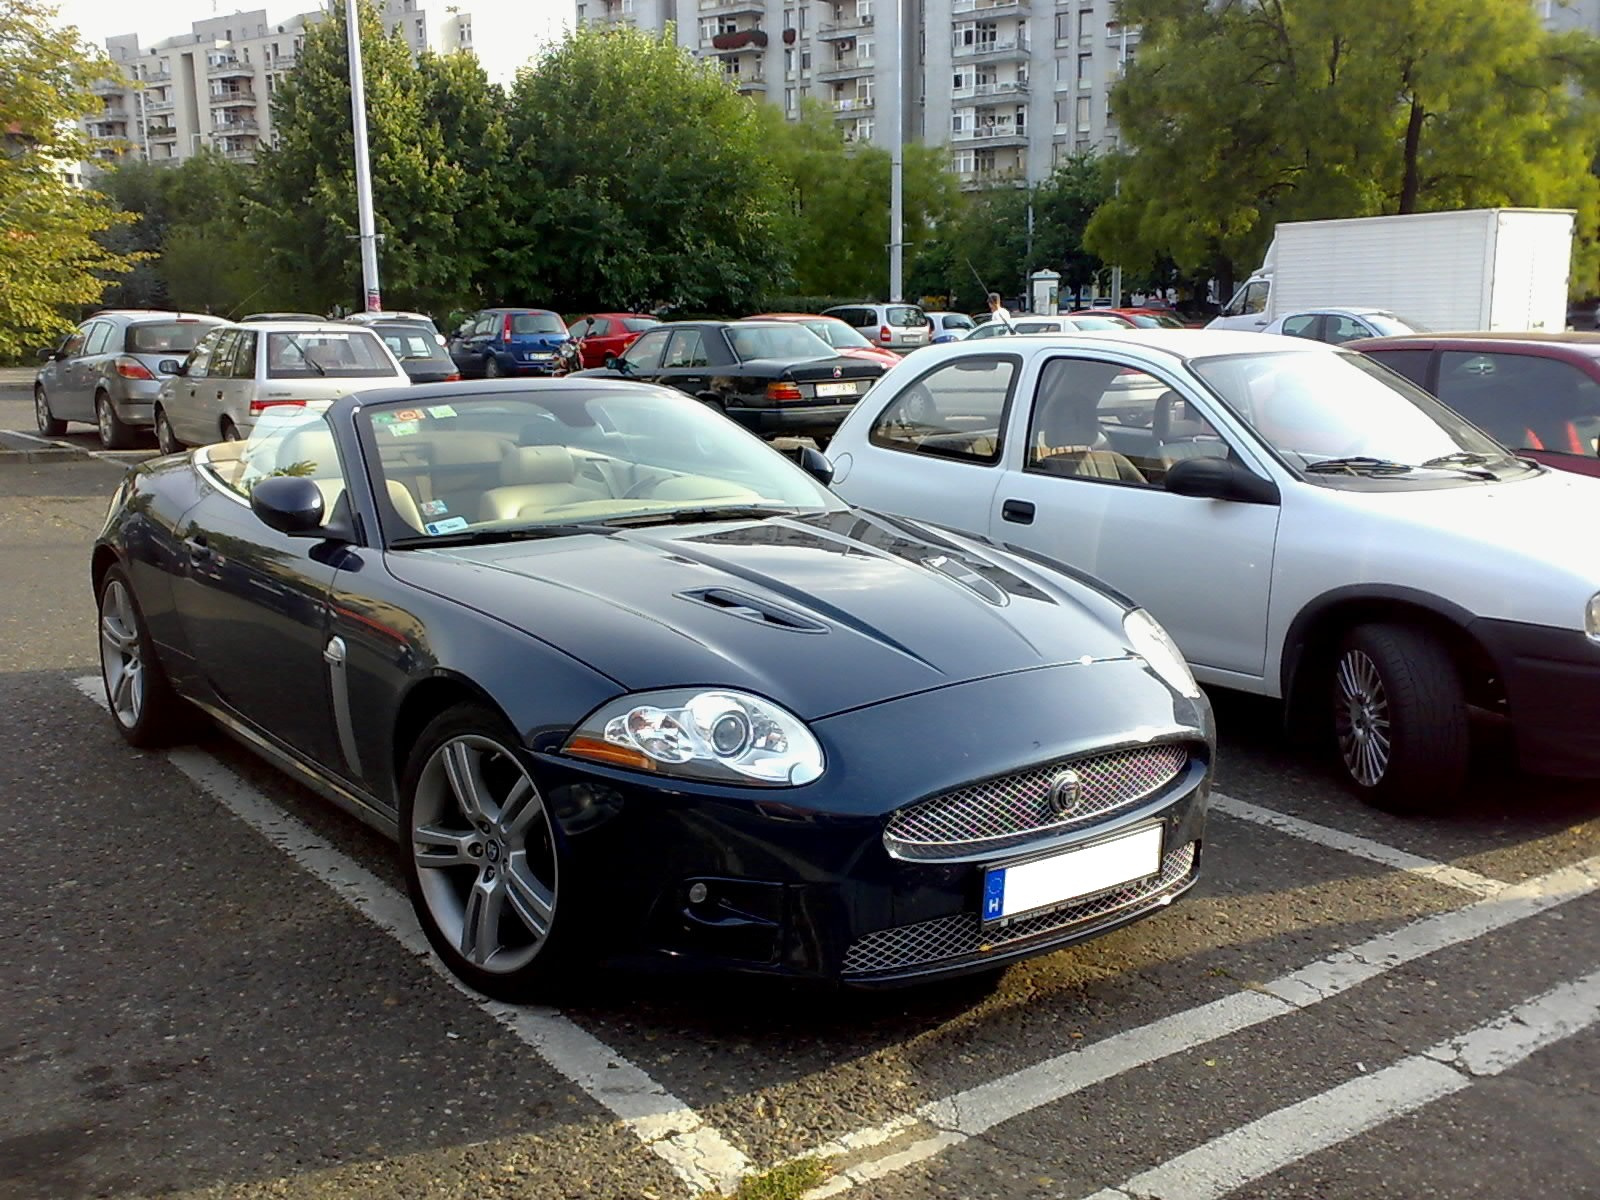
(957, 410)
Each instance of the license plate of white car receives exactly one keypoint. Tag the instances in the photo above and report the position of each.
(1046, 882)
(836, 389)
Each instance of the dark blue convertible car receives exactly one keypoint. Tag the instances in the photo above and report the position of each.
(626, 683)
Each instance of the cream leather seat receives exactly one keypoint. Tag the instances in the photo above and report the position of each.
(534, 479)
(311, 453)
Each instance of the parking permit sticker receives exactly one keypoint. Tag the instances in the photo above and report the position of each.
(434, 508)
(441, 410)
(384, 418)
(452, 525)
(408, 414)
(402, 428)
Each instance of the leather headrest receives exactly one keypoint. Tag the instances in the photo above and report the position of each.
(536, 464)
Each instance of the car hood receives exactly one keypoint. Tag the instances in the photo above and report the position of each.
(822, 613)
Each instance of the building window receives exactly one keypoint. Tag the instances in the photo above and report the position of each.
(1085, 24)
(864, 51)
(1085, 109)
(1063, 27)
(788, 99)
(805, 60)
(1085, 70)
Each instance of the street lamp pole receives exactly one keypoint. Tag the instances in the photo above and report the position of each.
(896, 154)
(1122, 69)
(372, 297)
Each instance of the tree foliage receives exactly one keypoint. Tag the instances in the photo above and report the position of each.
(51, 261)
(1242, 113)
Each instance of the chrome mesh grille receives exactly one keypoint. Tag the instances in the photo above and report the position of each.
(1016, 808)
(962, 934)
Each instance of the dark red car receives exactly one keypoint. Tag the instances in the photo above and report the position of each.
(608, 334)
(1538, 393)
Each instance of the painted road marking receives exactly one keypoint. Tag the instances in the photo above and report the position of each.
(1283, 1138)
(967, 1114)
(696, 1152)
(1359, 847)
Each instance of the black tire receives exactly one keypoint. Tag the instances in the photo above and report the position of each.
(166, 440)
(491, 368)
(47, 422)
(161, 716)
(230, 431)
(115, 433)
(522, 966)
(1398, 715)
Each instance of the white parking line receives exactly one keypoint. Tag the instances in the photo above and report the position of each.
(1283, 1138)
(1359, 847)
(978, 1109)
(698, 1154)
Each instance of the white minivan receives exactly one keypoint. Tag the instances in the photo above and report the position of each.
(1304, 522)
(237, 372)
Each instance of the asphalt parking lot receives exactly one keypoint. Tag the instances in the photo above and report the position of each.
(214, 987)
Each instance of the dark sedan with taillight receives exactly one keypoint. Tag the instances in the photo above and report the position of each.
(773, 377)
(626, 683)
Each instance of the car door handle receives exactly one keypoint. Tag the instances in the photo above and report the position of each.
(199, 550)
(1019, 512)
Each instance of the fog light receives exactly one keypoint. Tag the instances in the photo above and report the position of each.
(698, 893)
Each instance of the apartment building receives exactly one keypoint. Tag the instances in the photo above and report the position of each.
(1010, 86)
(212, 87)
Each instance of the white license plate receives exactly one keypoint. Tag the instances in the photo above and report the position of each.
(836, 389)
(1008, 891)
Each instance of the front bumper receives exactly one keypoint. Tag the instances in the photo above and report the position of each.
(800, 882)
(797, 419)
(1552, 683)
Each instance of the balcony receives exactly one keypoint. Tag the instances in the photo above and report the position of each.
(847, 67)
(232, 68)
(238, 154)
(246, 125)
(992, 177)
(109, 87)
(845, 27)
(162, 133)
(990, 8)
(739, 41)
(993, 50)
(284, 62)
(111, 114)
(749, 85)
(992, 93)
(1114, 34)
(157, 105)
(995, 136)
(232, 99)
(733, 7)
(855, 106)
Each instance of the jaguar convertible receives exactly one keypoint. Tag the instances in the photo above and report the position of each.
(626, 684)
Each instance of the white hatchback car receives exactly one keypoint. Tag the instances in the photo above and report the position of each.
(1307, 525)
(238, 372)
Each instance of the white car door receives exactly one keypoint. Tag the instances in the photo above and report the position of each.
(1093, 435)
(935, 449)
(185, 414)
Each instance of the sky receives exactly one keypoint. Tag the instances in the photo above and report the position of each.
(506, 32)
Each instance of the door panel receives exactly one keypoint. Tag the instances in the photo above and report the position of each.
(1086, 473)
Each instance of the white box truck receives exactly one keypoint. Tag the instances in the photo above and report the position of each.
(1478, 269)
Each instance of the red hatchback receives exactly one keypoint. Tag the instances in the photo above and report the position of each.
(603, 335)
(1538, 393)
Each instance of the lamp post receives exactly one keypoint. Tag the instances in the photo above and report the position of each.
(372, 297)
(1122, 69)
(896, 154)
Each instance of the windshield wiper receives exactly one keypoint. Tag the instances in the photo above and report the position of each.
(1468, 458)
(1359, 464)
(304, 357)
(483, 537)
(719, 512)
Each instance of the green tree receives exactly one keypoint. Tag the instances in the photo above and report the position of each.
(1239, 115)
(51, 262)
(837, 223)
(637, 178)
(1062, 208)
(305, 203)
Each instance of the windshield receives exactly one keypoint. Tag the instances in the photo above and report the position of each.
(286, 440)
(411, 342)
(639, 324)
(1390, 325)
(777, 340)
(166, 337)
(506, 466)
(1314, 408)
(537, 323)
(352, 354)
(836, 333)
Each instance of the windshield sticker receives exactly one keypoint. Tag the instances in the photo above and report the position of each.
(434, 508)
(402, 428)
(452, 525)
(384, 418)
(441, 410)
(408, 414)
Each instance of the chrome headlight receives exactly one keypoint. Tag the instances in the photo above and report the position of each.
(1591, 618)
(716, 735)
(1152, 643)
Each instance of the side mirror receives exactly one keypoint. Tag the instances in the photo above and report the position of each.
(815, 464)
(464, 329)
(171, 366)
(1220, 479)
(45, 354)
(291, 504)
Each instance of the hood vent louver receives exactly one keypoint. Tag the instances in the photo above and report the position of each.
(750, 608)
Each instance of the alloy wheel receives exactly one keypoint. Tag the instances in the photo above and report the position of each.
(166, 440)
(41, 411)
(102, 419)
(1361, 718)
(121, 655)
(485, 853)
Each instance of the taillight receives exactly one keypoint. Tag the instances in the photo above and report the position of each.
(132, 368)
(505, 328)
(885, 334)
(257, 407)
(453, 377)
(784, 391)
